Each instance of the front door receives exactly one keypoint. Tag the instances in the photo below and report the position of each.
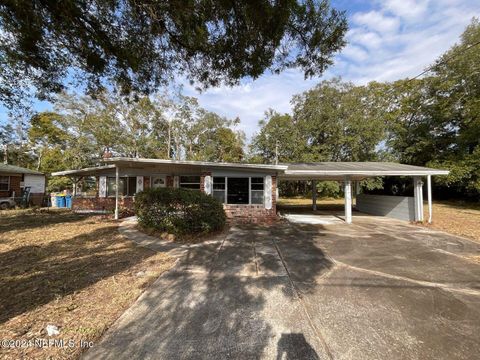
(158, 181)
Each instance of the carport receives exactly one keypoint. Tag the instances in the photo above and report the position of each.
(351, 173)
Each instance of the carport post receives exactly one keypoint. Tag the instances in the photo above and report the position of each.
(429, 194)
(314, 195)
(418, 197)
(348, 200)
(116, 191)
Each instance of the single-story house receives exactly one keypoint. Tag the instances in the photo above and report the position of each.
(248, 191)
(14, 179)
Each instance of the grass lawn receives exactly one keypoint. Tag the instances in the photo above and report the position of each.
(454, 217)
(76, 272)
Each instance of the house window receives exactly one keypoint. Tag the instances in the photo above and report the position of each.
(256, 190)
(237, 190)
(190, 182)
(4, 183)
(219, 188)
(132, 186)
(122, 186)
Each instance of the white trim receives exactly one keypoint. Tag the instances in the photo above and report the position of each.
(366, 172)
(208, 184)
(267, 192)
(117, 173)
(418, 197)
(429, 194)
(140, 182)
(348, 200)
(102, 186)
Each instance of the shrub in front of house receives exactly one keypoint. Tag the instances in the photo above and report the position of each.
(179, 211)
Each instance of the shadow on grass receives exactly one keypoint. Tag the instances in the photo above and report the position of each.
(295, 346)
(12, 220)
(34, 275)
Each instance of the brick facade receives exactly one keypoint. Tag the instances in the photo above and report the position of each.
(235, 213)
(14, 186)
(249, 213)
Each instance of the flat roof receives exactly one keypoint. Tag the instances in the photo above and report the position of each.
(357, 169)
(140, 161)
(293, 171)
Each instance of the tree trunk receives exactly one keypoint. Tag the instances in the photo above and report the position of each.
(169, 141)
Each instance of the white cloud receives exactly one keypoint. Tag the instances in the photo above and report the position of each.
(407, 9)
(355, 53)
(376, 20)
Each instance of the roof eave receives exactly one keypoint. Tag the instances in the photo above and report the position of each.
(116, 160)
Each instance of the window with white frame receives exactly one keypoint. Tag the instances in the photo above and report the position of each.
(238, 190)
(190, 182)
(219, 186)
(256, 190)
(4, 183)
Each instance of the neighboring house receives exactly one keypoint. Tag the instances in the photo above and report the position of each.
(13, 179)
(248, 191)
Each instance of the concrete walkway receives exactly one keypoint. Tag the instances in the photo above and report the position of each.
(385, 290)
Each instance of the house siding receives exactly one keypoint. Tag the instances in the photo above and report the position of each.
(397, 207)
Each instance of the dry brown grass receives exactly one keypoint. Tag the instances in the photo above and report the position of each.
(322, 204)
(75, 272)
(458, 218)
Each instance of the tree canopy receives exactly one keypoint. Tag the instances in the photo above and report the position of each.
(432, 121)
(140, 45)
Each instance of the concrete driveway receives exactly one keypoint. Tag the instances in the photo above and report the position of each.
(376, 289)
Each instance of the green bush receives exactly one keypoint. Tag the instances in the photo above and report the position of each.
(179, 211)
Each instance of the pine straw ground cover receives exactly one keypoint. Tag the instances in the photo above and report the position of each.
(76, 272)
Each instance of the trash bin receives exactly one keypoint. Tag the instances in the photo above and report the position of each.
(68, 201)
(60, 200)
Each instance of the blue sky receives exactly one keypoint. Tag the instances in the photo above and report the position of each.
(387, 40)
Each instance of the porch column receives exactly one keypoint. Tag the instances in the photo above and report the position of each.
(74, 192)
(357, 191)
(429, 194)
(116, 191)
(348, 200)
(418, 197)
(314, 195)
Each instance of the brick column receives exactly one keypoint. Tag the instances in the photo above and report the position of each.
(169, 181)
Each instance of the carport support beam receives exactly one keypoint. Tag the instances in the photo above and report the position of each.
(429, 194)
(348, 200)
(117, 175)
(418, 197)
(314, 195)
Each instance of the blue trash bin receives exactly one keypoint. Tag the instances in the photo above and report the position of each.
(68, 201)
(60, 201)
